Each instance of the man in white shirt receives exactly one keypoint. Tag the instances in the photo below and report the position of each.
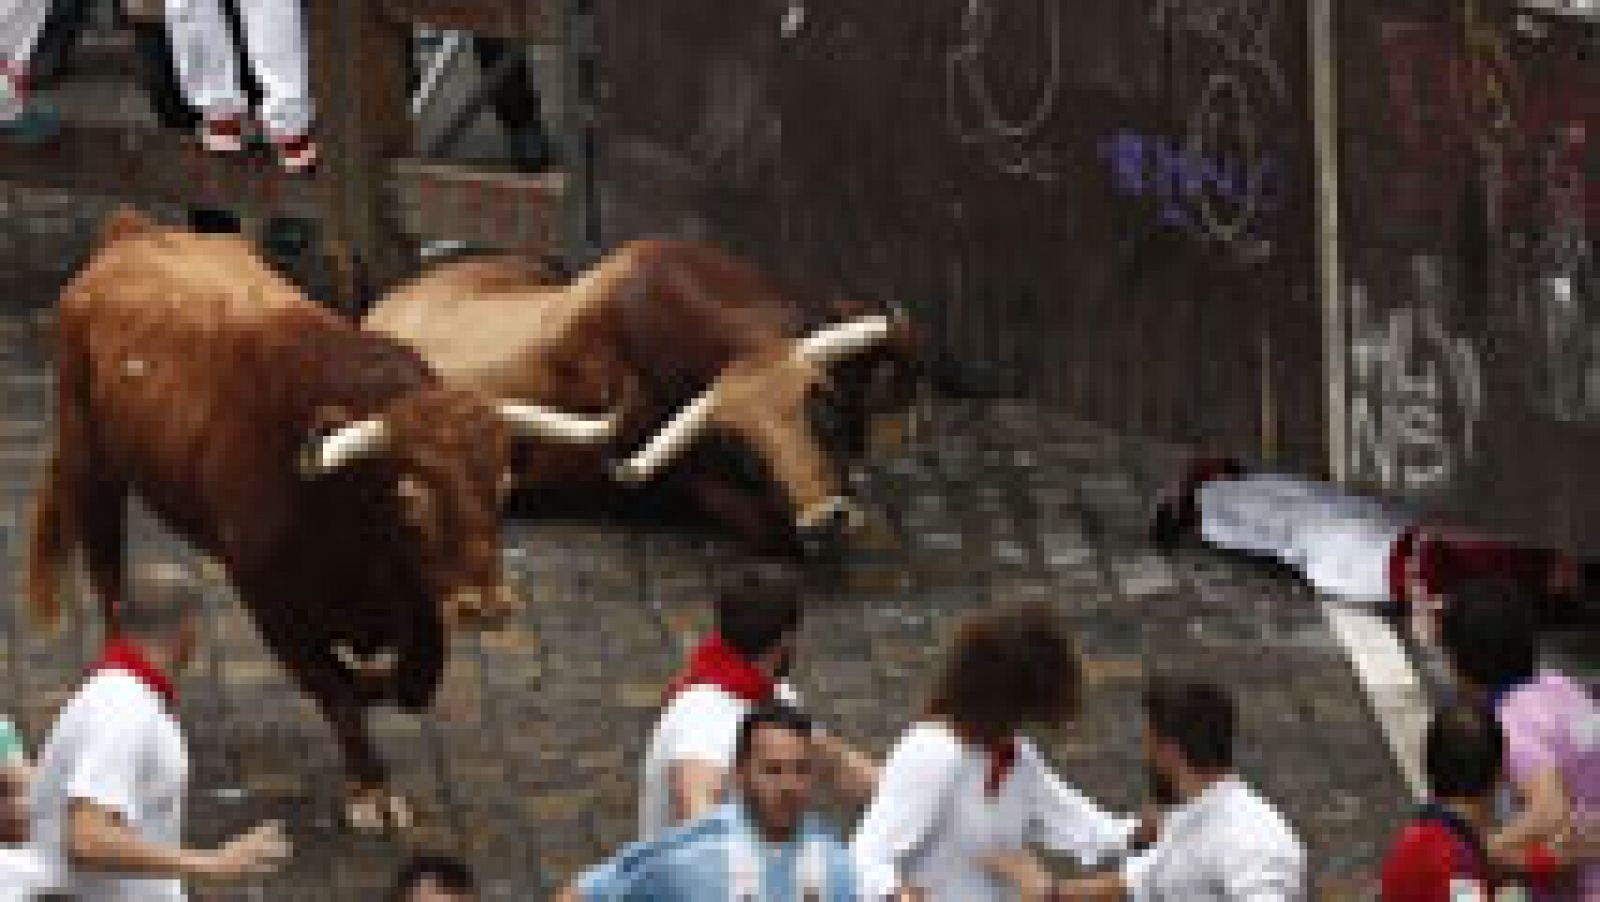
(742, 663)
(1218, 840)
(109, 789)
(1361, 549)
(21, 118)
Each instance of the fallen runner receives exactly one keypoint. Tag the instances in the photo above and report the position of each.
(1358, 548)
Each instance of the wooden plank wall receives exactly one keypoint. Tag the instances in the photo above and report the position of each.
(1471, 173)
(1109, 203)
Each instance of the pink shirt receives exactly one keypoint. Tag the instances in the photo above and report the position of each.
(1553, 722)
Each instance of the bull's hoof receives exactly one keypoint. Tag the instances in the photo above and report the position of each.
(375, 811)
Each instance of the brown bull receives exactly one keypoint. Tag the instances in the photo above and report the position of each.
(351, 498)
(686, 342)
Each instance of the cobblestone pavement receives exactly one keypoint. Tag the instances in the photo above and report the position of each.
(527, 764)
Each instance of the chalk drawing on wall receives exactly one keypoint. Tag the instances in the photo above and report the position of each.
(1009, 133)
(1416, 393)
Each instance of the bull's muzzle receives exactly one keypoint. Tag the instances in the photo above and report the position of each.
(478, 608)
(825, 528)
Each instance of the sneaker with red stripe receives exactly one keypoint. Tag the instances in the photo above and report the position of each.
(223, 135)
(297, 154)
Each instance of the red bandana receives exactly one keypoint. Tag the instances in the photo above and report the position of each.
(713, 663)
(123, 655)
(1002, 757)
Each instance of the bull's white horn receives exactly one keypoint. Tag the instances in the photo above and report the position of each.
(533, 421)
(670, 441)
(346, 445)
(840, 341)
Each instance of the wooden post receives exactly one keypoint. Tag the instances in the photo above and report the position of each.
(1323, 22)
(360, 83)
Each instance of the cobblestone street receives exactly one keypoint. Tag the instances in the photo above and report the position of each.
(527, 764)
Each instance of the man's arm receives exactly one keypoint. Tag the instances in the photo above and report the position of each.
(855, 775)
(1033, 883)
(695, 788)
(1542, 821)
(99, 840)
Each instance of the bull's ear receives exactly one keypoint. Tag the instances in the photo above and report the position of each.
(416, 500)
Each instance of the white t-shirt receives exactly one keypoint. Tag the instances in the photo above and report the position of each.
(931, 821)
(115, 745)
(1225, 845)
(700, 724)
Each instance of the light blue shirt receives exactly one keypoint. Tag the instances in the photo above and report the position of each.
(723, 857)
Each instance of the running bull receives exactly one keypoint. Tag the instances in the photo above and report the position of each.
(351, 498)
(745, 397)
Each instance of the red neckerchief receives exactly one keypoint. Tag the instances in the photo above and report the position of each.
(713, 663)
(1399, 559)
(123, 655)
(1002, 758)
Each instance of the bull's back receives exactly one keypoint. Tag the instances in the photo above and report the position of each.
(164, 339)
(495, 326)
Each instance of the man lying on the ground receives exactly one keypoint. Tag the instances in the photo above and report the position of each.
(1357, 548)
(763, 843)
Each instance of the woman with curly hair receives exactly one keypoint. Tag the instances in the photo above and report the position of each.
(963, 784)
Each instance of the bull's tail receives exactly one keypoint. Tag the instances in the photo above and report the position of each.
(49, 545)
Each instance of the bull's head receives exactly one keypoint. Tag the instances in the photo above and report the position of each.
(776, 404)
(447, 457)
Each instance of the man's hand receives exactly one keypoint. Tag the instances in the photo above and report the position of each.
(909, 894)
(1023, 871)
(261, 851)
(1579, 844)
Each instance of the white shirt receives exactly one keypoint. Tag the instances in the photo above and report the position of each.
(1225, 845)
(701, 724)
(1341, 542)
(115, 745)
(24, 874)
(932, 822)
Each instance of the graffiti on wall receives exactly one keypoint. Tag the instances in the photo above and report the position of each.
(1416, 391)
(1231, 179)
(1008, 131)
(1225, 198)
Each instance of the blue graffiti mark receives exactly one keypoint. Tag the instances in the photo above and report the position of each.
(1226, 198)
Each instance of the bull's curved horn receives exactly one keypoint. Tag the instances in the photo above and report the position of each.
(533, 421)
(844, 339)
(670, 440)
(345, 445)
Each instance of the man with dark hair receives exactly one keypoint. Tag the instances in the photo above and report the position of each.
(108, 794)
(762, 844)
(1440, 855)
(1218, 840)
(1552, 729)
(744, 662)
(1360, 549)
(430, 877)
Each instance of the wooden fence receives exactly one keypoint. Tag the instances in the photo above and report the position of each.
(1343, 236)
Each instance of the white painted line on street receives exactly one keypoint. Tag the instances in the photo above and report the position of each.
(1398, 697)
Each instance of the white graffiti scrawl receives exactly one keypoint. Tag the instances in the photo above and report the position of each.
(1011, 138)
(1416, 398)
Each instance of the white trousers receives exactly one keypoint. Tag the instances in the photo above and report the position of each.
(20, 24)
(275, 37)
(1339, 541)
